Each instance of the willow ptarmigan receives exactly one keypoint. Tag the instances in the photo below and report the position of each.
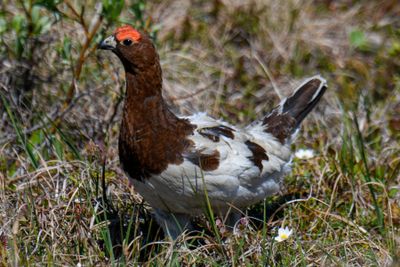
(174, 161)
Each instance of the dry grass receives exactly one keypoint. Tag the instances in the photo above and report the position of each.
(60, 108)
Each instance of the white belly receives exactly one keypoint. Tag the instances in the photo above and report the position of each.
(187, 195)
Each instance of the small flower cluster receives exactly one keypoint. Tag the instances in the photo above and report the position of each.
(283, 234)
(304, 154)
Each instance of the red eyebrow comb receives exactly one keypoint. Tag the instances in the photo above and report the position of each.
(125, 32)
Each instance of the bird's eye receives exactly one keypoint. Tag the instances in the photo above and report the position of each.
(127, 42)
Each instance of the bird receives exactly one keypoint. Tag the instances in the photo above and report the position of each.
(183, 165)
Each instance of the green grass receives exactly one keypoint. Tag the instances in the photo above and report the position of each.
(63, 198)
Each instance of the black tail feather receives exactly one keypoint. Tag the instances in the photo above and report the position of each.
(284, 120)
(304, 99)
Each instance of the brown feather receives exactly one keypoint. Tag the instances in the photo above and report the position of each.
(214, 133)
(284, 120)
(207, 162)
(259, 154)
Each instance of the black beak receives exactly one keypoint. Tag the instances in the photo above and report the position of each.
(108, 44)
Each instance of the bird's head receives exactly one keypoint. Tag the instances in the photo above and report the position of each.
(134, 48)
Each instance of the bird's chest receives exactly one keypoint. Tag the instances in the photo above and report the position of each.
(145, 151)
(138, 154)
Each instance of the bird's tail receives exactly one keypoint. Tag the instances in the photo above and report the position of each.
(285, 119)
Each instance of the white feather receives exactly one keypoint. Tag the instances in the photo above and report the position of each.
(237, 180)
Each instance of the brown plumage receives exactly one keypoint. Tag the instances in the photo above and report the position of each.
(214, 133)
(258, 154)
(207, 162)
(151, 136)
(282, 121)
(172, 161)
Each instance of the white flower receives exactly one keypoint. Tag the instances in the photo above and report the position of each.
(283, 234)
(304, 153)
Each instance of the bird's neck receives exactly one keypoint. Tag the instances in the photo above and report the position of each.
(144, 105)
(143, 85)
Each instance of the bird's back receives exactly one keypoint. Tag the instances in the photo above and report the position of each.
(236, 166)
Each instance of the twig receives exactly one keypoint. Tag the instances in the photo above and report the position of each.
(56, 115)
(173, 99)
(266, 71)
(81, 60)
(78, 16)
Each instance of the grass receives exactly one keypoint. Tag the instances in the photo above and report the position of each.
(64, 199)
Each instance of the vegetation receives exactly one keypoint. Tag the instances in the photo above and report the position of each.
(64, 199)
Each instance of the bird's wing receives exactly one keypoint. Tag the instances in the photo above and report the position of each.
(232, 163)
